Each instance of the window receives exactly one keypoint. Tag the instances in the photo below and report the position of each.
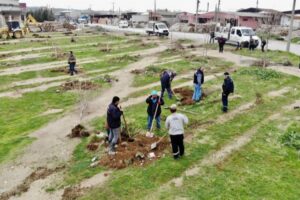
(232, 31)
(239, 33)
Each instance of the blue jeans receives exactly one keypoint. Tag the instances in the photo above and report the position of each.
(113, 138)
(197, 92)
(168, 88)
(150, 120)
(72, 68)
(225, 102)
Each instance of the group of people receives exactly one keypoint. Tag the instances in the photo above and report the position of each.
(222, 41)
(175, 122)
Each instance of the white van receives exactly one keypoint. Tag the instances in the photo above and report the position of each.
(123, 24)
(238, 35)
(157, 28)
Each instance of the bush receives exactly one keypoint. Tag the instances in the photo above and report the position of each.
(292, 137)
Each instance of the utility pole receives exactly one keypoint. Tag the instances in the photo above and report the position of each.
(257, 2)
(197, 11)
(154, 11)
(207, 10)
(288, 46)
(218, 10)
(113, 8)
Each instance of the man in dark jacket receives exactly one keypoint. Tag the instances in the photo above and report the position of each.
(221, 41)
(198, 81)
(154, 105)
(228, 88)
(114, 113)
(263, 44)
(166, 80)
(251, 44)
(72, 63)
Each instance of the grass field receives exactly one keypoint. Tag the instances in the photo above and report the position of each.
(266, 166)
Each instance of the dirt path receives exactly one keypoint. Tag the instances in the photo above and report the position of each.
(51, 146)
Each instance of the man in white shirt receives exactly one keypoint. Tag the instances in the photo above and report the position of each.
(175, 125)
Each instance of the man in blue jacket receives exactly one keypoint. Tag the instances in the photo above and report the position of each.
(198, 81)
(114, 113)
(228, 88)
(166, 80)
(154, 104)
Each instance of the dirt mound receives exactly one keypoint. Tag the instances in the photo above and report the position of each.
(40, 173)
(60, 70)
(72, 193)
(137, 153)
(79, 131)
(138, 71)
(79, 85)
(186, 94)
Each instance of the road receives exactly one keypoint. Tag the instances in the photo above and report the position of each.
(273, 45)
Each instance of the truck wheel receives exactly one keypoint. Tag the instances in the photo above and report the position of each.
(4, 36)
(18, 35)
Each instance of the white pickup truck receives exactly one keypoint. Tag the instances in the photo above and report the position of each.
(237, 35)
(157, 28)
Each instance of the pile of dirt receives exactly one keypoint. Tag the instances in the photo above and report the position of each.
(137, 152)
(40, 36)
(79, 131)
(105, 50)
(79, 85)
(72, 193)
(260, 63)
(138, 71)
(60, 70)
(186, 94)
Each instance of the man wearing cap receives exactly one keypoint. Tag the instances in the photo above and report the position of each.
(114, 113)
(228, 88)
(166, 80)
(198, 81)
(175, 125)
(154, 109)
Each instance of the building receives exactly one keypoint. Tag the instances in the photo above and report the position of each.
(185, 17)
(164, 15)
(9, 10)
(286, 19)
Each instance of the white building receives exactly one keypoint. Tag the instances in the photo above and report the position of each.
(286, 21)
(9, 10)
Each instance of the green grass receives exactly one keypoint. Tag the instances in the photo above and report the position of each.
(296, 40)
(264, 169)
(80, 166)
(19, 117)
(279, 57)
(144, 181)
(187, 64)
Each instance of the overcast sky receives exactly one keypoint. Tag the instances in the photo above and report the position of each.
(143, 5)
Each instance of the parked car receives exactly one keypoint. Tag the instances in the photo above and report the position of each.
(238, 35)
(123, 24)
(157, 28)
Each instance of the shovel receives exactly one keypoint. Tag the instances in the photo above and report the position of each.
(155, 144)
(177, 98)
(151, 128)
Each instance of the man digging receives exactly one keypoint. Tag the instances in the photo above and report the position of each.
(154, 109)
(166, 80)
(175, 125)
(114, 113)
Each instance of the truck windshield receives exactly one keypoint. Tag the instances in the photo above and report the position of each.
(248, 32)
(162, 26)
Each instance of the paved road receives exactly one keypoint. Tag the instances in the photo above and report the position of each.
(273, 45)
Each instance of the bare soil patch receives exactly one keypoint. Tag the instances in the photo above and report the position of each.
(79, 85)
(136, 152)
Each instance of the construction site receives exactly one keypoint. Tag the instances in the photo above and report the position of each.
(55, 143)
